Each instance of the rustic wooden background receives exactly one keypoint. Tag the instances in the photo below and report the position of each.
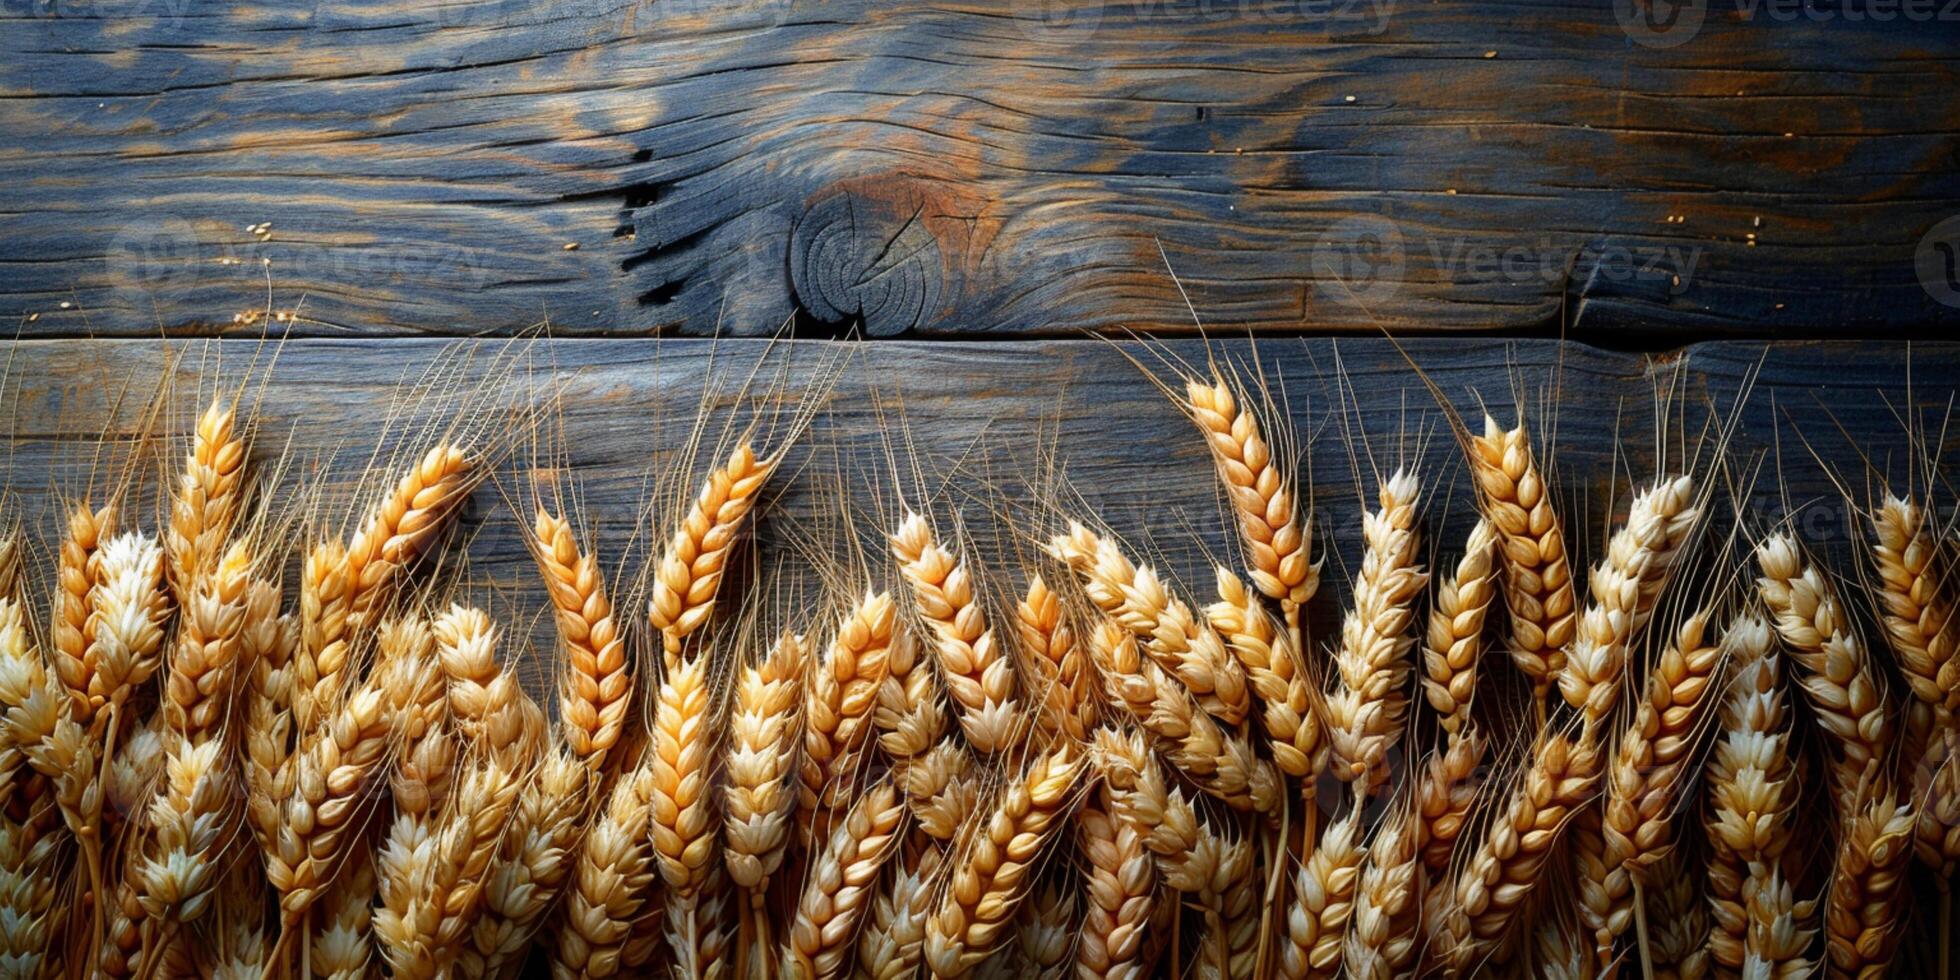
(952, 169)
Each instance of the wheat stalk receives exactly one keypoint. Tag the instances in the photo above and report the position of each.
(840, 885)
(1537, 576)
(1323, 896)
(1384, 925)
(1139, 601)
(979, 677)
(1644, 778)
(1120, 889)
(1499, 875)
(758, 796)
(205, 502)
(1218, 760)
(690, 569)
(594, 682)
(1865, 904)
(540, 852)
(894, 929)
(839, 699)
(609, 886)
(682, 823)
(1837, 677)
(1288, 710)
(1454, 639)
(1623, 589)
(1059, 673)
(343, 948)
(1365, 713)
(1277, 540)
(993, 860)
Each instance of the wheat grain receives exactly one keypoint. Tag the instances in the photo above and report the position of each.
(910, 716)
(1138, 600)
(594, 682)
(1059, 675)
(1778, 941)
(609, 886)
(1838, 678)
(1120, 888)
(1454, 639)
(1288, 705)
(690, 569)
(402, 524)
(895, 924)
(1499, 875)
(1623, 589)
(758, 797)
(205, 503)
(1384, 925)
(540, 851)
(1045, 931)
(1323, 896)
(1445, 793)
(1865, 904)
(993, 860)
(1644, 778)
(1277, 540)
(1365, 713)
(343, 948)
(942, 787)
(1537, 577)
(840, 884)
(682, 823)
(838, 702)
(979, 677)
(1220, 761)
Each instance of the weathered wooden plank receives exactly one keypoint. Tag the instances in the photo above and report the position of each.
(983, 423)
(977, 167)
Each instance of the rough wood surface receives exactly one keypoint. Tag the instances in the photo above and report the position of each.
(957, 168)
(969, 427)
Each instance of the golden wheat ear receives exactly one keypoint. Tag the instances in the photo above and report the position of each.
(595, 681)
(818, 945)
(979, 674)
(1538, 590)
(1277, 538)
(1365, 713)
(690, 568)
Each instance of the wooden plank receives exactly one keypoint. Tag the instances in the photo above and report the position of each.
(983, 423)
(958, 168)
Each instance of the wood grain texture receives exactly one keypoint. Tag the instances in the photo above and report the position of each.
(960, 168)
(973, 428)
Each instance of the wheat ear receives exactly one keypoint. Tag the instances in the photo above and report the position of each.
(758, 795)
(1288, 708)
(271, 644)
(609, 886)
(979, 675)
(1385, 924)
(894, 929)
(128, 610)
(1454, 639)
(942, 787)
(421, 932)
(695, 929)
(1936, 787)
(1751, 796)
(539, 853)
(1644, 781)
(1537, 576)
(29, 875)
(1059, 673)
(1838, 677)
(1188, 854)
(1918, 612)
(838, 701)
(1779, 936)
(1445, 792)
(1365, 713)
(77, 573)
(1866, 901)
(910, 716)
(405, 521)
(594, 682)
(1045, 930)
(1322, 900)
(993, 860)
(690, 569)
(840, 885)
(343, 948)
(1219, 760)
(329, 794)
(1138, 600)
(1277, 538)
(1231, 938)
(1623, 589)
(1501, 872)
(485, 701)
(682, 823)
(204, 504)
(1120, 888)
(237, 945)
(1679, 916)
